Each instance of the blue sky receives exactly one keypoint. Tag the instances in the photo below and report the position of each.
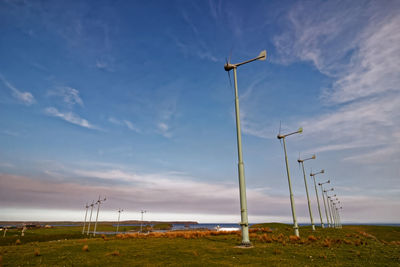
(130, 100)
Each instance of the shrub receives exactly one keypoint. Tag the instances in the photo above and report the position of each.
(85, 248)
(277, 251)
(18, 242)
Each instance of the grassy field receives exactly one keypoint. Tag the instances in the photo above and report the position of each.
(273, 245)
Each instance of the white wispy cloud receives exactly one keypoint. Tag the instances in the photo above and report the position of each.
(69, 95)
(126, 123)
(131, 126)
(25, 97)
(164, 129)
(357, 47)
(69, 117)
(114, 121)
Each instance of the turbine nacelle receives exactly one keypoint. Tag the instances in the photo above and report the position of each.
(262, 56)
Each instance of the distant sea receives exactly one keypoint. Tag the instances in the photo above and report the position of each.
(210, 226)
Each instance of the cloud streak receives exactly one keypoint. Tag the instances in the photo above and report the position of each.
(357, 47)
(25, 97)
(69, 95)
(70, 117)
(126, 123)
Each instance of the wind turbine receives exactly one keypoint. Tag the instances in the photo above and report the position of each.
(323, 198)
(283, 137)
(119, 214)
(141, 222)
(97, 216)
(316, 193)
(330, 205)
(242, 184)
(90, 218)
(340, 221)
(305, 184)
(334, 213)
(337, 213)
(84, 223)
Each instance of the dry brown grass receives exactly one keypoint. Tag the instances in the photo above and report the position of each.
(312, 238)
(347, 242)
(260, 230)
(277, 251)
(265, 238)
(327, 243)
(114, 253)
(177, 234)
(253, 235)
(294, 238)
(1, 261)
(85, 248)
(36, 252)
(367, 235)
(18, 242)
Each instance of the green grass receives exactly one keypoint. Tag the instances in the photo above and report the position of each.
(350, 246)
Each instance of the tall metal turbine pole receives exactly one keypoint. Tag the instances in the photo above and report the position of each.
(283, 137)
(323, 196)
(334, 213)
(119, 214)
(330, 205)
(141, 222)
(90, 217)
(337, 213)
(97, 216)
(305, 184)
(84, 222)
(340, 220)
(244, 223)
(316, 193)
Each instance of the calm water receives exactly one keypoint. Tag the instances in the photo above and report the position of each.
(209, 226)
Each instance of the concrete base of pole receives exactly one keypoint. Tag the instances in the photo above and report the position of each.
(322, 225)
(245, 245)
(313, 227)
